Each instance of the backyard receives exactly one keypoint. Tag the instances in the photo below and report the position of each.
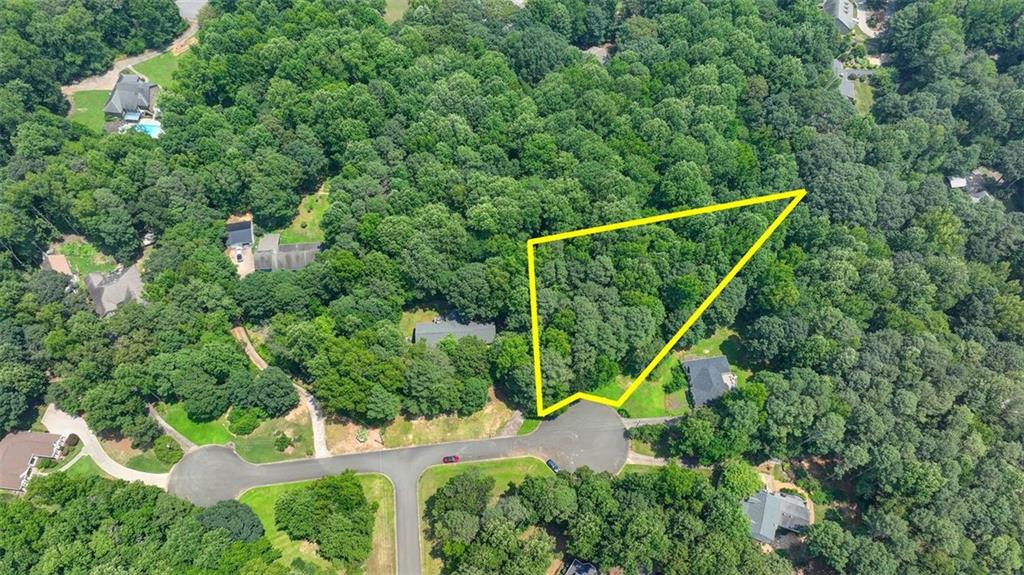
(863, 97)
(84, 258)
(87, 109)
(417, 315)
(305, 228)
(377, 488)
(725, 342)
(504, 471)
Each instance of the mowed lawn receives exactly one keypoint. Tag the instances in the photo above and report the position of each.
(85, 467)
(725, 342)
(504, 471)
(305, 228)
(258, 446)
(122, 452)
(87, 109)
(649, 399)
(420, 431)
(377, 488)
(410, 318)
(160, 69)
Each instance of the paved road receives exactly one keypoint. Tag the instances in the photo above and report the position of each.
(587, 434)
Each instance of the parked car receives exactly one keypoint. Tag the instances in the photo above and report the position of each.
(554, 466)
(451, 459)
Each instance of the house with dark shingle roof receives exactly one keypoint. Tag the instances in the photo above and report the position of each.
(131, 98)
(272, 256)
(239, 234)
(432, 332)
(768, 512)
(578, 567)
(111, 290)
(710, 378)
(19, 453)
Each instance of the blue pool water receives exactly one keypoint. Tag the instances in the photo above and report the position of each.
(151, 130)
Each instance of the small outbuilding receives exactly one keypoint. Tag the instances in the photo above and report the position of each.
(132, 98)
(432, 332)
(710, 378)
(768, 512)
(956, 182)
(19, 453)
(272, 256)
(57, 263)
(111, 290)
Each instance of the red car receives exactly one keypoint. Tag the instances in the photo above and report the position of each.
(451, 459)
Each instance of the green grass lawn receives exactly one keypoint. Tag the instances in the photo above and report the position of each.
(529, 426)
(84, 258)
(650, 399)
(85, 467)
(504, 471)
(641, 447)
(377, 488)
(410, 318)
(211, 432)
(305, 228)
(87, 109)
(485, 423)
(395, 10)
(863, 97)
(639, 469)
(160, 69)
(258, 446)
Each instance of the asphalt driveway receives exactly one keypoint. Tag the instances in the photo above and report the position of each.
(587, 434)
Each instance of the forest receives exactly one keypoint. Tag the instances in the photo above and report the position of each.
(884, 321)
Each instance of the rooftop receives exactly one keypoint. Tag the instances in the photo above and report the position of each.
(111, 290)
(272, 256)
(578, 567)
(56, 262)
(434, 331)
(710, 378)
(843, 12)
(239, 233)
(768, 512)
(18, 451)
(130, 95)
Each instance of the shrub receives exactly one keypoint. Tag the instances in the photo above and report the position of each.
(245, 420)
(167, 450)
(676, 382)
(282, 442)
(238, 519)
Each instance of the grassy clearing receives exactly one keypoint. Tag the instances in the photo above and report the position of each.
(160, 69)
(85, 467)
(529, 426)
(87, 109)
(484, 423)
(641, 447)
(863, 97)
(650, 399)
(395, 9)
(211, 432)
(258, 446)
(504, 471)
(410, 318)
(84, 258)
(305, 228)
(122, 452)
(377, 488)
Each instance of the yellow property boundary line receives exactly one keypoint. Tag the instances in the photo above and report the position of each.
(793, 195)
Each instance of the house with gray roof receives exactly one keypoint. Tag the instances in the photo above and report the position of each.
(272, 256)
(843, 13)
(769, 512)
(578, 567)
(432, 332)
(19, 453)
(239, 234)
(131, 98)
(111, 290)
(710, 378)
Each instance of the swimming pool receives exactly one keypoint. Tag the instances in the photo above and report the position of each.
(151, 128)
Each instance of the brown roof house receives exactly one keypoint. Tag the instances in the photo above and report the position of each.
(19, 453)
(57, 263)
(111, 290)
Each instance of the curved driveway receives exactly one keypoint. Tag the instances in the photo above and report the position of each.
(586, 434)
